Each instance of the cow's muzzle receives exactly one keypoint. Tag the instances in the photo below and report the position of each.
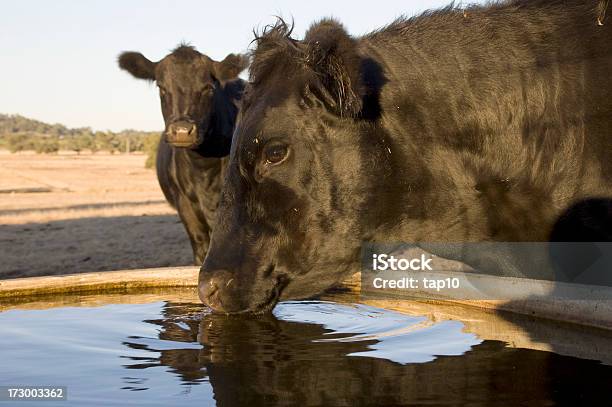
(222, 292)
(218, 291)
(182, 134)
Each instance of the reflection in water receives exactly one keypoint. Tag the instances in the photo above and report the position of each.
(298, 356)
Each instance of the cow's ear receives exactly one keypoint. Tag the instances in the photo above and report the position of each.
(230, 67)
(138, 65)
(332, 53)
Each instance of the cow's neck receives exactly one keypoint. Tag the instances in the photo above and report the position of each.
(221, 122)
(408, 199)
(478, 151)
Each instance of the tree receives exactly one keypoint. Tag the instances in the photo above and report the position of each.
(18, 133)
(103, 141)
(85, 141)
(15, 143)
(46, 145)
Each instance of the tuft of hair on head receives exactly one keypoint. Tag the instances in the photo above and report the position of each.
(137, 64)
(274, 34)
(185, 51)
(333, 55)
(274, 49)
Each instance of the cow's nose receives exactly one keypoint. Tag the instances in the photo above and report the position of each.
(214, 287)
(183, 128)
(182, 133)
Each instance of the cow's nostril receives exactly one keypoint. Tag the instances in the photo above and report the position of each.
(182, 132)
(210, 288)
(184, 129)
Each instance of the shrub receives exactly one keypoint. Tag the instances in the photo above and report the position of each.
(150, 143)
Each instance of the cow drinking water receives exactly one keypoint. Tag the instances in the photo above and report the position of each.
(452, 126)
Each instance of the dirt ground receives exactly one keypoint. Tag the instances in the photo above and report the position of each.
(62, 214)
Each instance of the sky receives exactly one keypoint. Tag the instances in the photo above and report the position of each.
(58, 58)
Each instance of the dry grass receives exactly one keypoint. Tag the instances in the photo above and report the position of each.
(68, 214)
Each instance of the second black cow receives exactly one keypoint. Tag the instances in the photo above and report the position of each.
(199, 99)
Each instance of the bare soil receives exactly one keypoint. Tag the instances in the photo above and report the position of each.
(64, 214)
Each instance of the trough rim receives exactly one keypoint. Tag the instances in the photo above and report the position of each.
(596, 314)
(163, 277)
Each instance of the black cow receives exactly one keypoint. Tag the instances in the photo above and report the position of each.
(199, 101)
(453, 126)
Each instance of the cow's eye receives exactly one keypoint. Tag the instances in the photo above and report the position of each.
(275, 153)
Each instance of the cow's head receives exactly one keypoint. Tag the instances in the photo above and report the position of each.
(189, 83)
(294, 206)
